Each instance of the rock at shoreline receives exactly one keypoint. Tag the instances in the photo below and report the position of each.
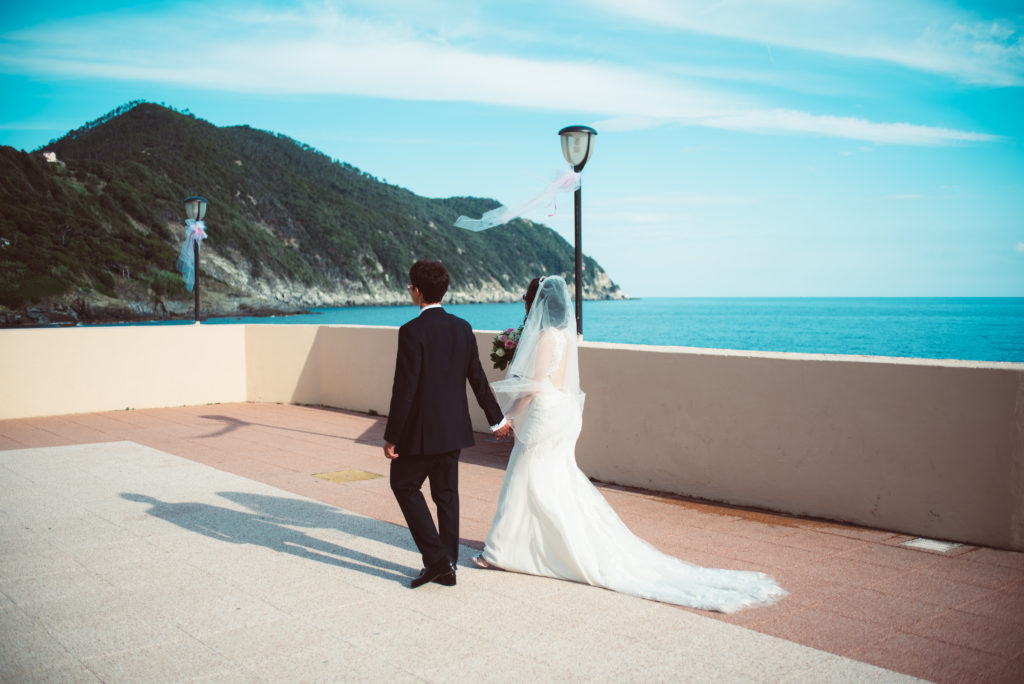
(114, 311)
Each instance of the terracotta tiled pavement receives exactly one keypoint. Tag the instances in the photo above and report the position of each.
(852, 591)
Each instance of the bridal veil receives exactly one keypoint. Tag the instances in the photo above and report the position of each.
(546, 357)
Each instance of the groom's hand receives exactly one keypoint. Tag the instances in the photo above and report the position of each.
(389, 451)
(504, 432)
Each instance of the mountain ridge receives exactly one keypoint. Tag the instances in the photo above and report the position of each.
(91, 223)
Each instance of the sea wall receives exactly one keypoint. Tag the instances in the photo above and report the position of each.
(929, 448)
(52, 371)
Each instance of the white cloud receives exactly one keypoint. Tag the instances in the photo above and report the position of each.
(916, 34)
(330, 54)
(787, 120)
(326, 52)
(790, 121)
(678, 200)
(15, 126)
(1019, 247)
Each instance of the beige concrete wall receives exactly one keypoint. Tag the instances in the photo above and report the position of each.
(926, 448)
(282, 365)
(358, 365)
(51, 371)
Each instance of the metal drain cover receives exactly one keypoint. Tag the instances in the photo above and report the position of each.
(348, 475)
(931, 545)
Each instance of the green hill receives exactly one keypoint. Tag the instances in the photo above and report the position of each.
(93, 232)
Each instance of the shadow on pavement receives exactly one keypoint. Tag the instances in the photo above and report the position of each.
(268, 526)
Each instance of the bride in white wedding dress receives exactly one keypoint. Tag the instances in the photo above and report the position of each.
(551, 520)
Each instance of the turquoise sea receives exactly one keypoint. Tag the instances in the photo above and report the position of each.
(974, 328)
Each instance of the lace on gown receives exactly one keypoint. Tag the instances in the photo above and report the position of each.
(551, 520)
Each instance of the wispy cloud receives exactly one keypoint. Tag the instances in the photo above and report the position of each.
(775, 121)
(678, 200)
(28, 127)
(326, 51)
(926, 36)
(787, 120)
(1019, 247)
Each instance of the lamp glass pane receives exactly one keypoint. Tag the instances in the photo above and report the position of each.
(574, 146)
(195, 208)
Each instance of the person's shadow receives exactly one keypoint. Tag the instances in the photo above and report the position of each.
(268, 525)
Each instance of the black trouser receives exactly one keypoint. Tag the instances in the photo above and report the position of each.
(407, 476)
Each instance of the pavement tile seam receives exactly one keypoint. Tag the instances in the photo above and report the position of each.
(17, 670)
(988, 635)
(928, 658)
(839, 634)
(155, 663)
(893, 556)
(947, 595)
(112, 634)
(998, 604)
(879, 608)
(324, 667)
(1011, 672)
(1008, 559)
(982, 575)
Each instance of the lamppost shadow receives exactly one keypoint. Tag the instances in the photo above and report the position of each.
(269, 526)
(373, 435)
(490, 452)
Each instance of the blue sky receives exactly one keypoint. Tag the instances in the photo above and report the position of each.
(748, 148)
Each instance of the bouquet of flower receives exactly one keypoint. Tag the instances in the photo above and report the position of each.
(503, 347)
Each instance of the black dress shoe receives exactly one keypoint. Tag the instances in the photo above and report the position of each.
(429, 574)
(446, 580)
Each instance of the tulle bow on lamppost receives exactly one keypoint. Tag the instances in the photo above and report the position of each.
(577, 147)
(567, 181)
(195, 233)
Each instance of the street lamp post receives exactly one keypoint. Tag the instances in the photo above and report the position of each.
(195, 210)
(577, 146)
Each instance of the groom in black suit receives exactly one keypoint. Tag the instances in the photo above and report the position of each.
(429, 424)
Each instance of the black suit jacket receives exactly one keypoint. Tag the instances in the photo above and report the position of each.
(429, 413)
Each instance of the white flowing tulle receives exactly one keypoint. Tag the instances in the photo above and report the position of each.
(195, 234)
(568, 181)
(552, 521)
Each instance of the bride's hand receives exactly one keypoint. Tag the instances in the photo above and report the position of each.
(504, 432)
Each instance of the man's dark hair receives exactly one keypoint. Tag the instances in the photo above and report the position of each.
(430, 278)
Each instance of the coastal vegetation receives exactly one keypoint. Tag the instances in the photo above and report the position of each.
(91, 225)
